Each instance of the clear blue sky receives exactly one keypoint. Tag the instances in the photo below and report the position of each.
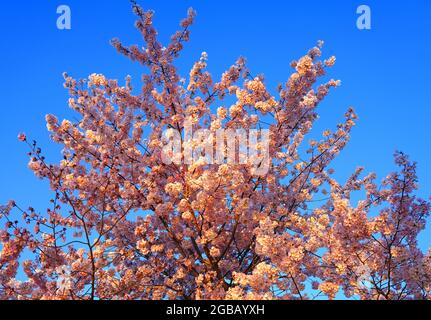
(385, 72)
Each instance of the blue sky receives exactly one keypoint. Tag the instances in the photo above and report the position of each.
(385, 71)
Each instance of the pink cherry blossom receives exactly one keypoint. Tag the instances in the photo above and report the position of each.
(122, 224)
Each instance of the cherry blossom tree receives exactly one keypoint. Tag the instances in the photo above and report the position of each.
(123, 224)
